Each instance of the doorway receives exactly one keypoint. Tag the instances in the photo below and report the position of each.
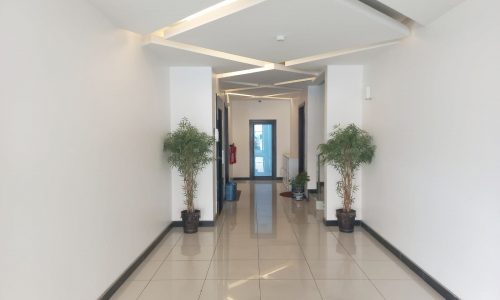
(220, 179)
(262, 149)
(302, 138)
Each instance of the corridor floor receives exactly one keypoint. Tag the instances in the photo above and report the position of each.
(268, 247)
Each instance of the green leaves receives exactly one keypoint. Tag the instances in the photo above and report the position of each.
(300, 180)
(347, 148)
(189, 150)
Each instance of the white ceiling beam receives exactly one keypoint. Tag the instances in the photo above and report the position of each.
(336, 53)
(210, 14)
(153, 39)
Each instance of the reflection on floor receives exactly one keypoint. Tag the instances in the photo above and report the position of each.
(269, 247)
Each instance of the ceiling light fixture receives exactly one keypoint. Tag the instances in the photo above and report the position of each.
(295, 81)
(243, 72)
(207, 15)
(336, 53)
(152, 39)
(280, 37)
(254, 97)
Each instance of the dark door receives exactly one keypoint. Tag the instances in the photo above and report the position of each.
(220, 179)
(302, 138)
(262, 149)
(226, 143)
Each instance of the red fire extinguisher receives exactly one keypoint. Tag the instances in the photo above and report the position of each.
(232, 154)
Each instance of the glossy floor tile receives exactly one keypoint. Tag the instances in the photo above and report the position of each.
(130, 290)
(289, 289)
(230, 289)
(265, 247)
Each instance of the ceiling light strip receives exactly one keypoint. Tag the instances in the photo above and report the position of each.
(241, 83)
(210, 14)
(243, 72)
(294, 81)
(262, 86)
(152, 39)
(257, 97)
(338, 53)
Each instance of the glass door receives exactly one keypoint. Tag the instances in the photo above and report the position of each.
(262, 149)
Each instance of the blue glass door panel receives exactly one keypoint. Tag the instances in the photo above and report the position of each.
(263, 150)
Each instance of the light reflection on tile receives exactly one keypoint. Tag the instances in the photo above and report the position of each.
(230, 289)
(272, 248)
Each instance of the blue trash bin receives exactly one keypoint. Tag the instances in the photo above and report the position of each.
(231, 191)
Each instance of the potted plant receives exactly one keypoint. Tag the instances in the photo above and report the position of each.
(189, 150)
(298, 184)
(347, 148)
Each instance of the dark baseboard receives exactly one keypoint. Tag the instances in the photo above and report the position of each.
(336, 223)
(202, 224)
(312, 191)
(438, 287)
(125, 275)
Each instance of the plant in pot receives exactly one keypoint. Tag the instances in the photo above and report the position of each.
(347, 149)
(298, 184)
(189, 150)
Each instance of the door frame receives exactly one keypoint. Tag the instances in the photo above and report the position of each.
(302, 137)
(252, 157)
(218, 154)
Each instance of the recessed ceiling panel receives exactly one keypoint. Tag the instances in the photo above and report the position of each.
(175, 57)
(146, 16)
(310, 27)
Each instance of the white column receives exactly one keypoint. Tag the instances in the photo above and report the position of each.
(343, 105)
(191, 96)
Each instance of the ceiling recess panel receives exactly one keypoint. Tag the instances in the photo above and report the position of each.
(309, 27)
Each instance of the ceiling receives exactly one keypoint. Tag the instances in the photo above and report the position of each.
(239, 38)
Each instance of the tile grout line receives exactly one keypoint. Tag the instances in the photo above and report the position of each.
(258, 257)
(307, 262)
(356, 262)
(211, 260)
(165, 258)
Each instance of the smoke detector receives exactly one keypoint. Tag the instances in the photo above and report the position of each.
(280, 37)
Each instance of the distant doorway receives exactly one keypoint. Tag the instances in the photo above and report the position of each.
(302, 138)
(262, 149)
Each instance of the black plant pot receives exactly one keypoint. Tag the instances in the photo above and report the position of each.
(190, 221)
(346, 220)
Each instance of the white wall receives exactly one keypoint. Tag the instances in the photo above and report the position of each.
(433, 189)
(343, 105)
(84, 187)
(242, 111)
(192, 96)
(314, 131)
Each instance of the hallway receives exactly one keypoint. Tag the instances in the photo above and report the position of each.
(265, 246)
